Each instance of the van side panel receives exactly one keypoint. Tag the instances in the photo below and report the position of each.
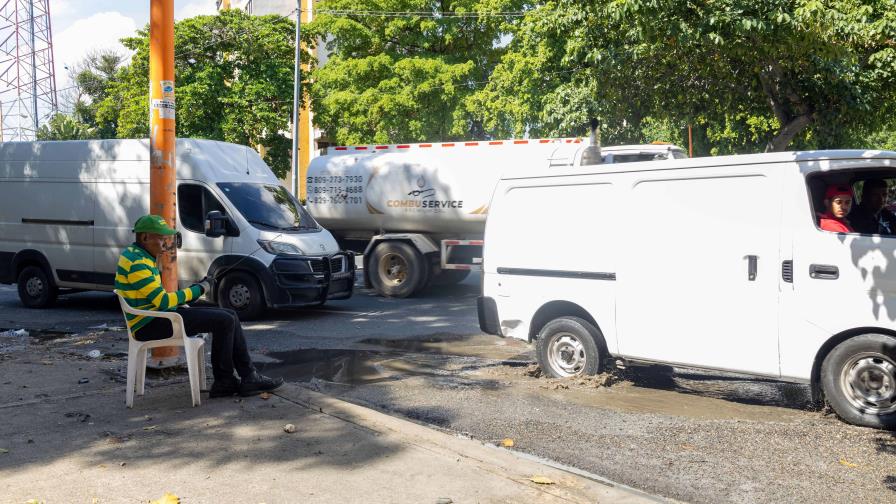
(52, 214)
(119, 204)
(551, 245)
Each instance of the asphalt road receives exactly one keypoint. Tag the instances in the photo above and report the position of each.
(684, 434)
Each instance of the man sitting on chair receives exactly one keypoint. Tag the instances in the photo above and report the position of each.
(138, 281)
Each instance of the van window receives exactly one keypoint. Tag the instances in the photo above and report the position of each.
(872, 208)
(268, 206)
(194, 202)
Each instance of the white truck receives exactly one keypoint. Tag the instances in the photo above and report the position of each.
(417, 211)
(67, 210)
(716, 263)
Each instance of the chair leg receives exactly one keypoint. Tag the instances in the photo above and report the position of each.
(132, 375)
(193, 371)
(141, 372)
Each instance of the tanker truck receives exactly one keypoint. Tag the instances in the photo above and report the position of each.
(417, 211)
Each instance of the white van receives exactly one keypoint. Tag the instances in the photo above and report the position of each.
(67, 210)
(714, 263)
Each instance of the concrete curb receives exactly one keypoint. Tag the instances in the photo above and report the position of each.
(571, 486)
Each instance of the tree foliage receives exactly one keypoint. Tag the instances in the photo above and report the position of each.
(234, 82)
(753, 73)
(404, 78)
(65, 127)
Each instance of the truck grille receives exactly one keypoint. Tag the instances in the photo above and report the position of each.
(317, 265)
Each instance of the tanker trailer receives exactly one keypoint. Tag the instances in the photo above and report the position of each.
(417, 211)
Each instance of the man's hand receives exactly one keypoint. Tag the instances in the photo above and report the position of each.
(207, 283)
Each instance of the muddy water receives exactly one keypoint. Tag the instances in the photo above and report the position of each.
(656, 389)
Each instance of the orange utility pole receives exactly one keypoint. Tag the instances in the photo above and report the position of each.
(162, 173)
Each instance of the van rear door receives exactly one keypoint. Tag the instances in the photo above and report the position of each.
(699, 268)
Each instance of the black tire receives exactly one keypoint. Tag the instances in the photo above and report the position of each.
(858, 378)
(397, 269)
(569, 346)
(36, 288)
(450, 277)
(241, 293)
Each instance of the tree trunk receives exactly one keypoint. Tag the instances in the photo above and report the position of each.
(787, 132)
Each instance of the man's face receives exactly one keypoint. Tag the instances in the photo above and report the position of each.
(153, 243)
(840, 205)
(875, 198)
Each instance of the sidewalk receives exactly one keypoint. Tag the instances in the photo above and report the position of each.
(75, 442)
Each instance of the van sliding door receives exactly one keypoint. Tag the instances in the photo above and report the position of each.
(699, 270)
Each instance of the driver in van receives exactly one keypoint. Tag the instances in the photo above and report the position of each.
(837, 202)
(870, 216)
(137, 279)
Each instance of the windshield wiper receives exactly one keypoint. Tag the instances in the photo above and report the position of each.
(265, 224)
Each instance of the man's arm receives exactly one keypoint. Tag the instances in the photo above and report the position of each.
(149, 286)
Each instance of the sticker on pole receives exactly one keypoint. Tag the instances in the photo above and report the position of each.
(167, 88)
(165, 106)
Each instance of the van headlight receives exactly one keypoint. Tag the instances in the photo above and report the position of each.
(278, 248)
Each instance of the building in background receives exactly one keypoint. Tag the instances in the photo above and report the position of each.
(311, 139)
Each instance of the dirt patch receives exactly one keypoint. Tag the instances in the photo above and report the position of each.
(606, 379)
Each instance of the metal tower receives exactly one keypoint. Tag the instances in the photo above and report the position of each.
(27, 75)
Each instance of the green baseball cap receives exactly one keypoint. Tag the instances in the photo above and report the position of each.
(153, 224)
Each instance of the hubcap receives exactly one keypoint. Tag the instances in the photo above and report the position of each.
(393, 269)
(34, 287)
(868, 381)
(239, 296)
(566, 355)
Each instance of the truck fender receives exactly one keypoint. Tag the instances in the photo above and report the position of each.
(31, 256)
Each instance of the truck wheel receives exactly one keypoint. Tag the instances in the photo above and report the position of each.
(397, 268)
(858, 378)
(568, 346)
(450, 277)
(36, 290)
(241, 293)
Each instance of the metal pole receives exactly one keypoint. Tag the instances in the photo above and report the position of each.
(296, 100)
(690, 142)
(33, 66)
(162, 169)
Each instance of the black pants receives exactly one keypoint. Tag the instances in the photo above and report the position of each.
(229, 349)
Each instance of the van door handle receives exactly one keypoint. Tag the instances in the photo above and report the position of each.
(824, 271)
(751, 267)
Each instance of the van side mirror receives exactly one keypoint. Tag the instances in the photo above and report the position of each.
(215, 224)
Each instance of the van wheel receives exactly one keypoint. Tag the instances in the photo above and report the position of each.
(397, 269)
(36, 290)
(568, 346)
(858, 378)
(241, 293)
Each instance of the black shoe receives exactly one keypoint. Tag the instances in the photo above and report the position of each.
(224, 388)
(257, 383)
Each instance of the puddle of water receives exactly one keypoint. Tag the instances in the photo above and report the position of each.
(488, 347)
(349, 367)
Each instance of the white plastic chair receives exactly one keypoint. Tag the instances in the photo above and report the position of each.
(194, 349)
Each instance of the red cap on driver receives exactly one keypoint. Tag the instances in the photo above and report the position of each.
(837, 190)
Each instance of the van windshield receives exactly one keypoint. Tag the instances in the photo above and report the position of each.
(268, 206)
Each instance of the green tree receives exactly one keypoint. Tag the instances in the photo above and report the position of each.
(234, 82)
(92, 80)
(752, 73)
(65, 127)
(404, 78)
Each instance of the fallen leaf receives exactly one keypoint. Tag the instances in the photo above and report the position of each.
(507, 443)
(688, 446)
(541, 480)
(34, 501)
(168, 498)
(847, 463)
(265, 395)
(4, 450)
(151, 427)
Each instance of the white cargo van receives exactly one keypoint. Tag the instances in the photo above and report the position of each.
(714, 263)
(67, 210)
